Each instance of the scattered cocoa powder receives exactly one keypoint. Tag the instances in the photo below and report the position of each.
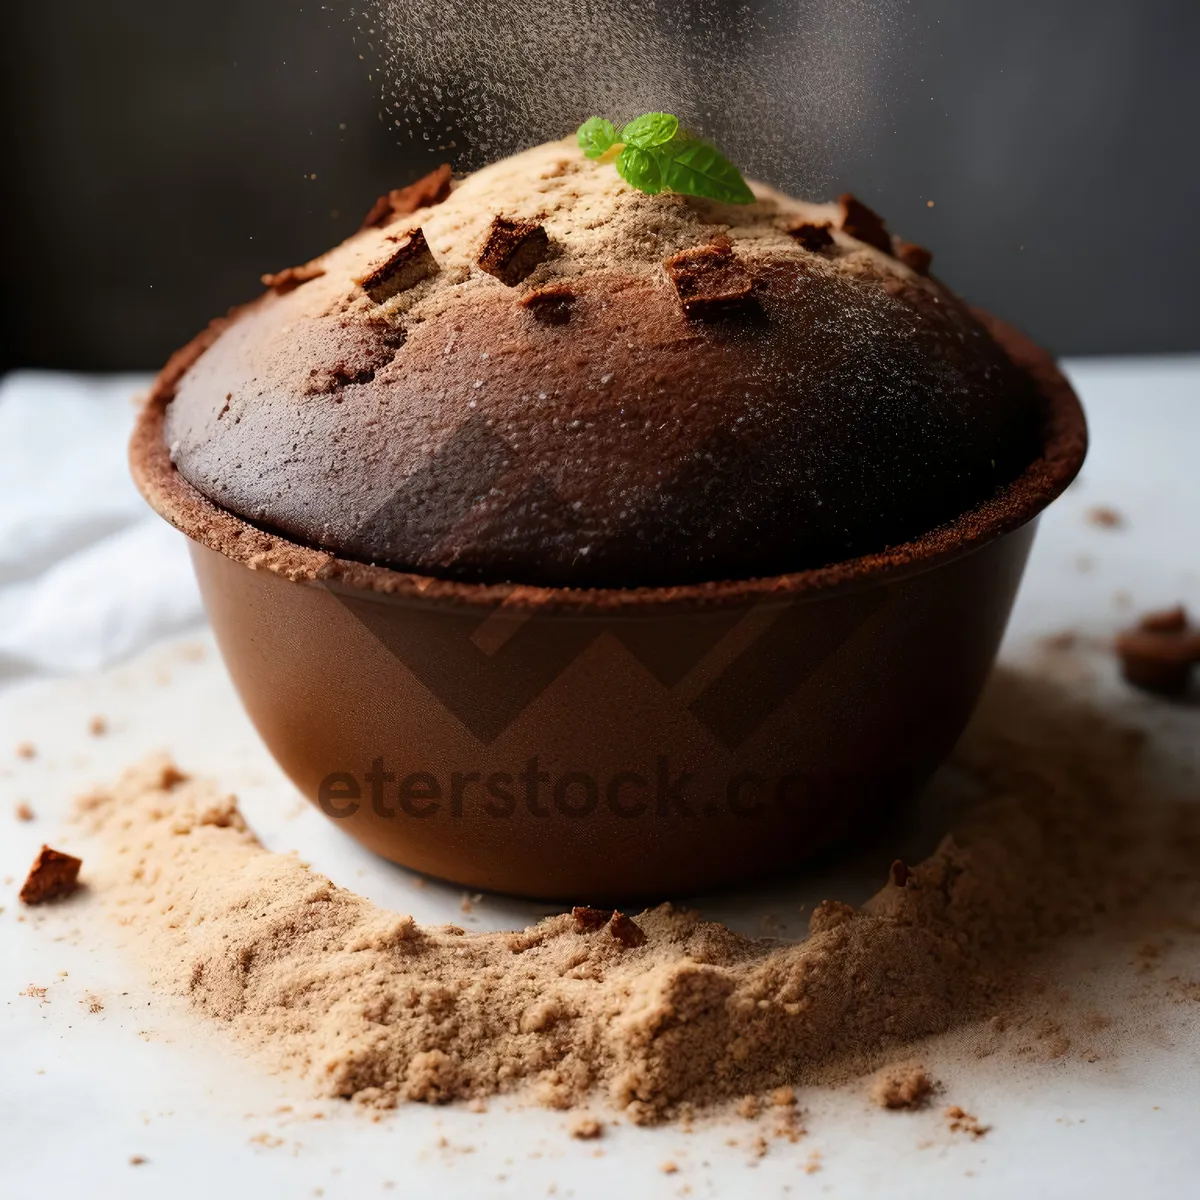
(902, 1085)
(1105, 517)
(965, 1122)
(1054, 833)
(585, 1127)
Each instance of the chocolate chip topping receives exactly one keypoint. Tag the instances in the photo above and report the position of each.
(812, 237)
(52, 876)
(400, 202)
(864, 224)
(710, 281)
(512, 249)
(912, 255)
(550, 305)
(411, 262)
(290, 278)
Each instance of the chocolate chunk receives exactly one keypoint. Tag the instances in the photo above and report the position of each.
(400, 202)
(290, 278)
(862, 223)
(912, 255)
(409, 264)
(588, 920)
(812, 237)
(710, 281)
(52, 875)
(550, 305)
(628, 933)
(512, 249)
(1160, 653)
(898, 874)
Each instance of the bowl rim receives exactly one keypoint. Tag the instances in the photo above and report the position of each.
(1065, 442)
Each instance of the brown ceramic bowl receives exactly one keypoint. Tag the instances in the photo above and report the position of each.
(597, 744)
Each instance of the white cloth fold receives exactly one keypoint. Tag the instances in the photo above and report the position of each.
(88, 574)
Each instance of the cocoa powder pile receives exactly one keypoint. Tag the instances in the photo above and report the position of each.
(1057, 833)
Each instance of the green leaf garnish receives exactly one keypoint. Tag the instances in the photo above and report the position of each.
(656, 155)
(651, 130)
(640, 169)
(698, 169)
(596, 135)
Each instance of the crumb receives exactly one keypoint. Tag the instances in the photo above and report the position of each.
(98, 726)
(903, 1086)
(26, 750)
(1160, 652)
(1105, 517)
(670, 1167)
(783, 1097)
(52, 876)
(94, 1003)
(626, 931)
(965, 1122)
(35, 993)
(748, 1107)
(24, 812)
(813, 1165)
(758, 1146)
(136, 1160)
(586, 1128)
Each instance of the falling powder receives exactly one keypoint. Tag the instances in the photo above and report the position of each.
(780, 87)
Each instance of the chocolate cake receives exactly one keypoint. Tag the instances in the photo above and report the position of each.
(545, 376)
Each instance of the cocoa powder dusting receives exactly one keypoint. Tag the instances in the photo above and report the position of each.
(1055, 833)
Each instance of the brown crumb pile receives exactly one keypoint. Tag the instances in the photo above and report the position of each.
(659, 1013)
(904, 1085)
(961, 1121)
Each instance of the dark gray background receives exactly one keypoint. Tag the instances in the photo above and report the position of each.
(159, 155)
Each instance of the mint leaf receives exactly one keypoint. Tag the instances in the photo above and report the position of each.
(698, 169)
(653, 129)
(596, 135)
(641, 169)
(656, 156)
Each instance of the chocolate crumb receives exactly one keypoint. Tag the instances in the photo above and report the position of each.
(710, 281)
(586, 1128)
(812, 237)
(912, 255)
(669, 1167)
(98, 726)
(1167, 620)
(628, 932)
(588, 920)
(863, 223)
(24, 812)
(411, 262)
(1160, 653)
(290, 278)
(1105, 517)
(898, 874)
(965, 1122)
(26, 750)
(902, 1087)
(512, 249)
(136, 1160)
(52, 876)
(550, 305)
(401, 202)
